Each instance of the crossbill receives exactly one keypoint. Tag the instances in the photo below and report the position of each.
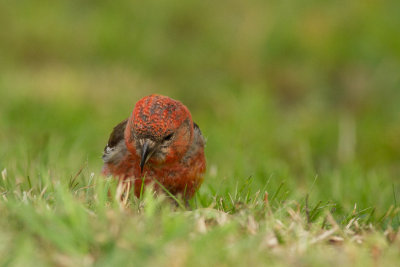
(159, 144)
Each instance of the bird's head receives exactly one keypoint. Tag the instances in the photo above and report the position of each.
(159, 130)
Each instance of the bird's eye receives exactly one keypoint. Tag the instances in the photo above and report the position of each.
(168, 137)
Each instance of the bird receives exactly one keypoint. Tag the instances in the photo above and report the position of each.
(158, 144)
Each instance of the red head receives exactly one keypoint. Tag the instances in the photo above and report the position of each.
(159, 130)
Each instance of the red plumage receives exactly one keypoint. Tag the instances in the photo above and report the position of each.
(158, 141)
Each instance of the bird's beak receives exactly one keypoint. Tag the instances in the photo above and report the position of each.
(146, 153)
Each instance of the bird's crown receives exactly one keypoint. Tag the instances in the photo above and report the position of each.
(156, 116)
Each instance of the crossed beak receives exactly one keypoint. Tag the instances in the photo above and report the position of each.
(147, 150)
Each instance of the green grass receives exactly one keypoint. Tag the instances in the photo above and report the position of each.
(269, 195)
(298, 102)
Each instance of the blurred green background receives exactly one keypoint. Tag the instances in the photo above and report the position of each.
(300, 92)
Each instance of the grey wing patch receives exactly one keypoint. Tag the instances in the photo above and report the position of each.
(198, 143)
(116, 149)
(199, 138)
(196, 127)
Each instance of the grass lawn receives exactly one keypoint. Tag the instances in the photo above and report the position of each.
(266, 198)
(299, 104)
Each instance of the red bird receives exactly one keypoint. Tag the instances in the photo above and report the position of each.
(158, 141)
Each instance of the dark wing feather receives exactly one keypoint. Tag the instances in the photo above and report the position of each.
(116, 135)
(198, 143)
(196, 127)
(115, 148)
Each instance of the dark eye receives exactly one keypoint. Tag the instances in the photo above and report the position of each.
(168, 137)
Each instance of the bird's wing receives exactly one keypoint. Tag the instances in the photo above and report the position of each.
(115, 149)
(198, 135)
(197, 144)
